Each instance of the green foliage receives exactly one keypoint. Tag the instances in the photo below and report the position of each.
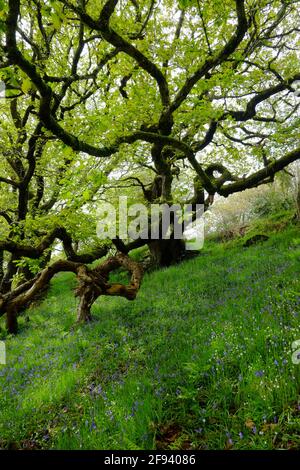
(186, 3)
(272, 202)
(86, 75)
(265, 209)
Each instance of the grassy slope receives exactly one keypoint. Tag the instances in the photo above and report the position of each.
(200, 360)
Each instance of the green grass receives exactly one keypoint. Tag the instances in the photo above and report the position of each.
(200, 360)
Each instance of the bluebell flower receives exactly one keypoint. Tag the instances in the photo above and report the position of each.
(93, 426)
(259, 373)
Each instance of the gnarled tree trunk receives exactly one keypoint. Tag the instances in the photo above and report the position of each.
(7, 278)
(91, 284)
(166, 252)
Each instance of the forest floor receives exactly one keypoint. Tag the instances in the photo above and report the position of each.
(201, 359)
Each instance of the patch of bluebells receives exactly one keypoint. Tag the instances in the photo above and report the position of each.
(96, 391)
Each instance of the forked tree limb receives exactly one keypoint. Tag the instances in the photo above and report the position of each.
(59, 233)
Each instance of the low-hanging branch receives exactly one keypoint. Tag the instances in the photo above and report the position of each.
(59, 233)
(262, 176)
(92, 283)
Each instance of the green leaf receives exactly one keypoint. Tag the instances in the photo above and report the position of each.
(186, 3)
(26, 85)
(56, 20)
(86, 195)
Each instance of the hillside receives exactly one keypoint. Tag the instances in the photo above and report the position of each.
(201, 360)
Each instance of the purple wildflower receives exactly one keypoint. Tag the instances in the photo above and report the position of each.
(259, 373)
(93, 426)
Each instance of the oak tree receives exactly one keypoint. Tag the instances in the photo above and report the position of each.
(179, 100)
